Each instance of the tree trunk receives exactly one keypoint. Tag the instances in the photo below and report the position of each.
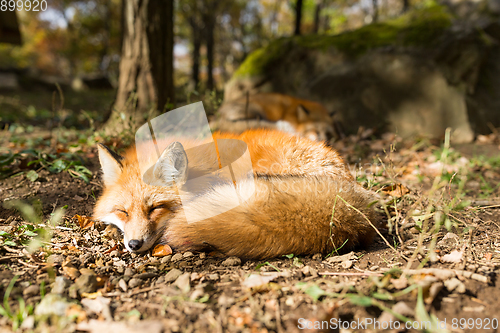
(317, 11)
(146, 65)
(406, 6)
(298, 16)
(210, 40)
(375, 11)
(192, 13)
(326, 23)
(106, 15)
(195, 71)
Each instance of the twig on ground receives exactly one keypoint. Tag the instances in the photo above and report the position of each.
(445, 273)
(350, 273)
(26, 264)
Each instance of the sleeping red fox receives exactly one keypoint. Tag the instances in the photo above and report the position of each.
(276, 111)
(305, 201)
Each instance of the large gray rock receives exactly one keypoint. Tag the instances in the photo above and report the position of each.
(395, 92)
(416, 76)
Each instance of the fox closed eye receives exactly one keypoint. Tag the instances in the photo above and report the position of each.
(122, 211)
(152, 209)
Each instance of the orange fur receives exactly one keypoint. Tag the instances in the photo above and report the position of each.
(305, 202)
(277, 111)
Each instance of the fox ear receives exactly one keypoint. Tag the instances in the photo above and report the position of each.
(172, 165)
(110, 163)
(302, 113)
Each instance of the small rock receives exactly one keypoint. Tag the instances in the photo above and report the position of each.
(129, 271)
(153, 261)
(114, 253)
(160, 280)
(198, 262)
(87, 271)
(187, 254)
(213, 276)
(73, 291)
(31, 291)
(86, 283)
(182, 264)
(347, 264)
(183, 282)
(403, 309)
(172, 275)
(348, 256)
(177, 257)
(317, 257)
(28, 323)
(433, 257)
(71, 272)
(99, 305)
(472, 267)
(232, 261)
(483, 269)
(145, 276)
(309, 271)
(78, 198)
(166, 259)
(225, 300)
(24, 284)
(455, 284)
(400, 308)
(203, 255)
(123, 285)
(60, 285)
(400, 283)
(414, 231)
(52, 304)
(450, 239)
(374, 268)
(134, 282)
(55, 259)
(197, 293)
(433, 292)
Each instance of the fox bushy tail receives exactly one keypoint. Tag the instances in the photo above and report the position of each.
(299, 215)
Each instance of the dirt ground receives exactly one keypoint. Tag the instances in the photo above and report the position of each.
(416, 274)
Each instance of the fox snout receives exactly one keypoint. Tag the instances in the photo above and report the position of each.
(135, 244)
(140, 239)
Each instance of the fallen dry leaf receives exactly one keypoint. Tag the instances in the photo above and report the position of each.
(396, 190)
(77, 312)
(255, 280)
(84, 221)
(162, 250)
(453, 257)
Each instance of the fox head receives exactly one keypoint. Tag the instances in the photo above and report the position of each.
(312, 122)
(141, 205)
